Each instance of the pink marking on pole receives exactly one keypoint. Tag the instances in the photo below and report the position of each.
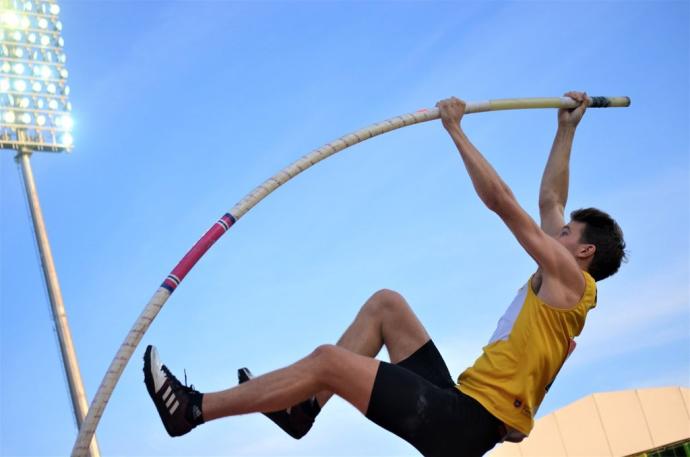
(198, 250)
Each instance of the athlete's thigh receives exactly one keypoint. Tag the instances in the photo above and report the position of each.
(437, 421)
(407, 341)
(428, 363)
(403, 332)
(409, 406)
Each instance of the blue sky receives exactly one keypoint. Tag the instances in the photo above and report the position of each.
(181, 108)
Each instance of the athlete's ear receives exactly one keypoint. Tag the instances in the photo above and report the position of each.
(586, 250)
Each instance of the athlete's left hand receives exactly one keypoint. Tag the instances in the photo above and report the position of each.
(572, 117)
(451, 110)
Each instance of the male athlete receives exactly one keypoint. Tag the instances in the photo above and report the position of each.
(414, 396)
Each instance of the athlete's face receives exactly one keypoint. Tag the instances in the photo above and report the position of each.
(570, 236)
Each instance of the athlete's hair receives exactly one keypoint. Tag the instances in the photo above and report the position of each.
(604, 233)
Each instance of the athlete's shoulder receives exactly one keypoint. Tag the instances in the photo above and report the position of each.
(565, 290)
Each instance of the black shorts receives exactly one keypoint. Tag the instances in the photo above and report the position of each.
(417, 400)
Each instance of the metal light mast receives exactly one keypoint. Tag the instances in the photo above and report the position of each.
(35, 117)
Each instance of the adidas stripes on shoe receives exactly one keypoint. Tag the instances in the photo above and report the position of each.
(179, 406)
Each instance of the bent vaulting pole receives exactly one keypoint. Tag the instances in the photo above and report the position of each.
(170, 283)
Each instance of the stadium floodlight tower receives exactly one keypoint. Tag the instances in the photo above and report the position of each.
(35, 117)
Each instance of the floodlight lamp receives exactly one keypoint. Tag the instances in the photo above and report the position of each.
(9, 19)
(34, 105)
(67, 139)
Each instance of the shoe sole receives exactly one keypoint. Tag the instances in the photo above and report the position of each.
(148, 377)
(164, 414)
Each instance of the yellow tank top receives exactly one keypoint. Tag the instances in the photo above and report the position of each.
(517, 367)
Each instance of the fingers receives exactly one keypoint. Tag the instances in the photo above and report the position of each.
(451, 110)
(448, 102)
(580, 97)
(583, 102)
(451, 105)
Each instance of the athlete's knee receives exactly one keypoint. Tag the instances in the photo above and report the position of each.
(327, 360)
(386, 301)
(326, 355)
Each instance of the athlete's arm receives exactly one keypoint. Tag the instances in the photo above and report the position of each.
(563, 282)
(553, 193)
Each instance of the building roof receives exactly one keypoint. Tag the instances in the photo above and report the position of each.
(609, 424)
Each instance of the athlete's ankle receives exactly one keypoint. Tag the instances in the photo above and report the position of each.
(195, 413)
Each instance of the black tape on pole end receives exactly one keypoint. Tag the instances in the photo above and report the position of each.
(599, 102)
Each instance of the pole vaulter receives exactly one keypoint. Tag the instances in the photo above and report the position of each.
(221, 226)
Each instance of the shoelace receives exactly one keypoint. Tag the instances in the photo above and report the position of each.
(176, 384)
(191, 386)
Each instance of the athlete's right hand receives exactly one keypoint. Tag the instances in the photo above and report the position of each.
(451, 109)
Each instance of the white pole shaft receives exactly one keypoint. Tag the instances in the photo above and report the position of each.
(317, 155)
(69, 356)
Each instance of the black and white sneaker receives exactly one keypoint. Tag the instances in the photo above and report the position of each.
(295, 421)
(178, 406)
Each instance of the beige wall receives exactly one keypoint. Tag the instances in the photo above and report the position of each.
(609, 424)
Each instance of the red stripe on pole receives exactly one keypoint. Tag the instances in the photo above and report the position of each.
(200, 248)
